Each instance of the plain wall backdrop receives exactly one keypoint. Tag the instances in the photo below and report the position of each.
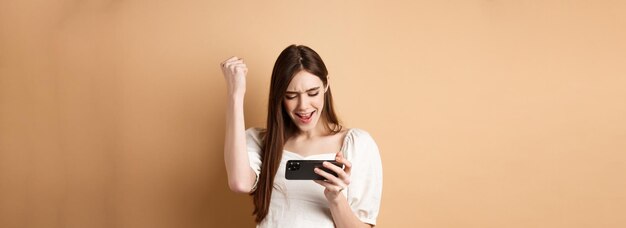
(488, 113)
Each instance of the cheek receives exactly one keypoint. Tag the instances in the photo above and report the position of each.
(289, 105)
(318, 102)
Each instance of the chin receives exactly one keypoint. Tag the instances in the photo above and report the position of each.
(307, 127)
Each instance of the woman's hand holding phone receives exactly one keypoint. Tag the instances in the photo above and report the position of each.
(335, 184)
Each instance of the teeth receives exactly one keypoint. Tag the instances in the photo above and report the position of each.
(304, 115)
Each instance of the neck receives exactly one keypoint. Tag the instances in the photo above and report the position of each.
(318, 131)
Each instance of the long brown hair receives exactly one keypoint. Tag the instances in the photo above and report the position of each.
(279, 126)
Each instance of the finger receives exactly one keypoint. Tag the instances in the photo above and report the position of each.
(232, 66)
(330, 178)
(339, 154)
(323, 183)
(338, 170)
(239, 65)
(229, 59)
(329, 186)
(347, 166)
(241, 69)
(233, 62)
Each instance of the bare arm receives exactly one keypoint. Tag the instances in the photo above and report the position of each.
(343, 215)
(240, 176)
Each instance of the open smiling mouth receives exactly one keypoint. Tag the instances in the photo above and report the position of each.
(305, 117)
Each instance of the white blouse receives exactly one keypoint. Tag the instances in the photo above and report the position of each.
(301, 203)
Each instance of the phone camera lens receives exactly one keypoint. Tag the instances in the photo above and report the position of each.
(291, 166)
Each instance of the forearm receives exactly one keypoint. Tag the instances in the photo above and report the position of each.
(343, 215)
(240, 175)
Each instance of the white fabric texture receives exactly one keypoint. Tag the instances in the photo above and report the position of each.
(301, 203)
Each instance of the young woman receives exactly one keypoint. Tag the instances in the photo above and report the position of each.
(301, 125)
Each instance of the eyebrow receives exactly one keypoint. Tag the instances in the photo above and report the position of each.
(308, 90)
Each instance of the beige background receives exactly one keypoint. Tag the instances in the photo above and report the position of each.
(487, 113)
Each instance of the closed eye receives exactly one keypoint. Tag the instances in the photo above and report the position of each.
(312, 92)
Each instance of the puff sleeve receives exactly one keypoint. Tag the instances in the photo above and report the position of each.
(253, 144)
(365, 189)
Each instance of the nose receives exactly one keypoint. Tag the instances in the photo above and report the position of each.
(303, 102)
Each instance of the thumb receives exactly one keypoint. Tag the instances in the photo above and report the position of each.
(339, 155)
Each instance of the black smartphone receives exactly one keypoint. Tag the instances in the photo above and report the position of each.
(304, 169)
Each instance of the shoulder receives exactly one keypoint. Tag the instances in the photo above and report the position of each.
(363, 151)
(255, 135)
(362, 143)
(360, 136)
(255, 130)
